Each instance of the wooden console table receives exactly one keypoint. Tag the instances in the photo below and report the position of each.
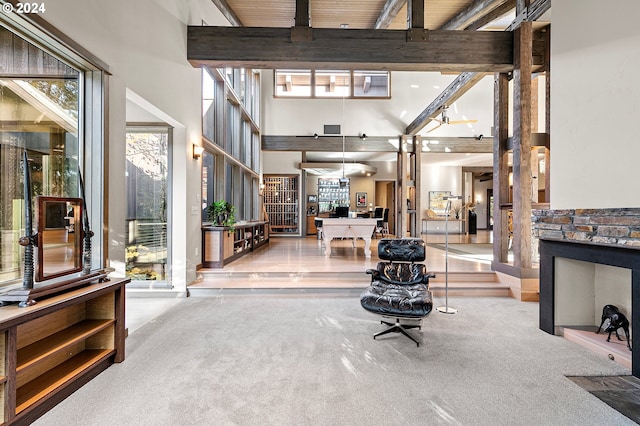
(51, 349)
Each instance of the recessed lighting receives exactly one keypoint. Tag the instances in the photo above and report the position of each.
(414, 86)
(436, 87)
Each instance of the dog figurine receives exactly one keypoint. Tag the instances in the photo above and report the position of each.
(616, 320)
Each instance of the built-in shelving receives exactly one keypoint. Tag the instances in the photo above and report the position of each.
(52, 348)
(332, 193)
(221, 245)
(281, 195)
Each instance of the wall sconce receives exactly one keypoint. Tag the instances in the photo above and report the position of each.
(197, 151)
(315, 136)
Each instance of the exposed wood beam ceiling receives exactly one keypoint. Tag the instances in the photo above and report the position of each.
(374, 49)
(271, 38)
(467, 80)
(228, 13)
(389, 12)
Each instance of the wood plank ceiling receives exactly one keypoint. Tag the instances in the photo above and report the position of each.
(357, 14)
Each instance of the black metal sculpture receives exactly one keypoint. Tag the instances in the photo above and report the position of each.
(616, 320)
(87, 232)
(29, 241)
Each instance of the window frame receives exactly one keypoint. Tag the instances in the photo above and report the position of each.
(313, 84)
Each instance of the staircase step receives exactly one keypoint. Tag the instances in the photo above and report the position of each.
(358, 276)
(211, 283)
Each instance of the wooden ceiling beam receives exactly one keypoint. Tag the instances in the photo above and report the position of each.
(228, 13)
(389, 12)
(303, 17)
(371, 144)
(329, 48)
(455, 90)
(477, 9)
(496, 13)
(467, 80)
(415, 14)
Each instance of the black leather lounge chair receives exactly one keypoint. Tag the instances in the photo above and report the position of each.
(399, 289)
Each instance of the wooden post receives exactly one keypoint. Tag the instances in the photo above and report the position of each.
(302, 18)
(417, 179)
(500, 168)
(415, 14)
(547, 107)
(401, 189)
(522, 147)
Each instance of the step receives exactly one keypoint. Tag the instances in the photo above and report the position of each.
(358, 276)
(212, 283)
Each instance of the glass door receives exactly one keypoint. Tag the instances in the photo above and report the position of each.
(147, 228)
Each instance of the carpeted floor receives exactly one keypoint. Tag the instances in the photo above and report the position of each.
(278, 360)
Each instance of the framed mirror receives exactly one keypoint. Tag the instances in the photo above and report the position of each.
(59, 237)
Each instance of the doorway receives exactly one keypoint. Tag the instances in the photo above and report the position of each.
(386, 197)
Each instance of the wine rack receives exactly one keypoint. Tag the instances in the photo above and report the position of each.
(281, 202)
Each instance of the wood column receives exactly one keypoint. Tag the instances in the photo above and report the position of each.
(402, 188)
(500, 168)
(302, 18)
(417, 179)
(415, 14)
(522, 147)
(547, 108)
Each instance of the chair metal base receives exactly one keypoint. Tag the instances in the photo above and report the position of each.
(398, 327)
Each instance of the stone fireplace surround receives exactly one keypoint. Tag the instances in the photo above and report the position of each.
(596, 236)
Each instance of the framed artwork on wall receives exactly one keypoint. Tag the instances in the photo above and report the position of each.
(437, 203)
(361, 199)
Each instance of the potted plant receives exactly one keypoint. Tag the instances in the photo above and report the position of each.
(222, 213)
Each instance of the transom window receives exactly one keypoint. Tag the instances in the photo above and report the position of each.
(331, 83)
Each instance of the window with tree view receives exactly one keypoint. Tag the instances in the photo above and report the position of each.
(39, 114)
(147, 171)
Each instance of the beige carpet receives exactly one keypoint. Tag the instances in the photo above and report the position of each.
(288, 360)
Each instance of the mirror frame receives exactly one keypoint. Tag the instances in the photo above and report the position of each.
(42, 202)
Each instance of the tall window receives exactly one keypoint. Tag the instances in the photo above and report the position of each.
(39, 113)
(208, 105)
(147, 171)
(208, 182)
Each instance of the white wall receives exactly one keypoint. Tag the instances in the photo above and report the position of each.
(583, 288)
(144, 45)
(379, 117)
(595, 57)
(440, 178)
